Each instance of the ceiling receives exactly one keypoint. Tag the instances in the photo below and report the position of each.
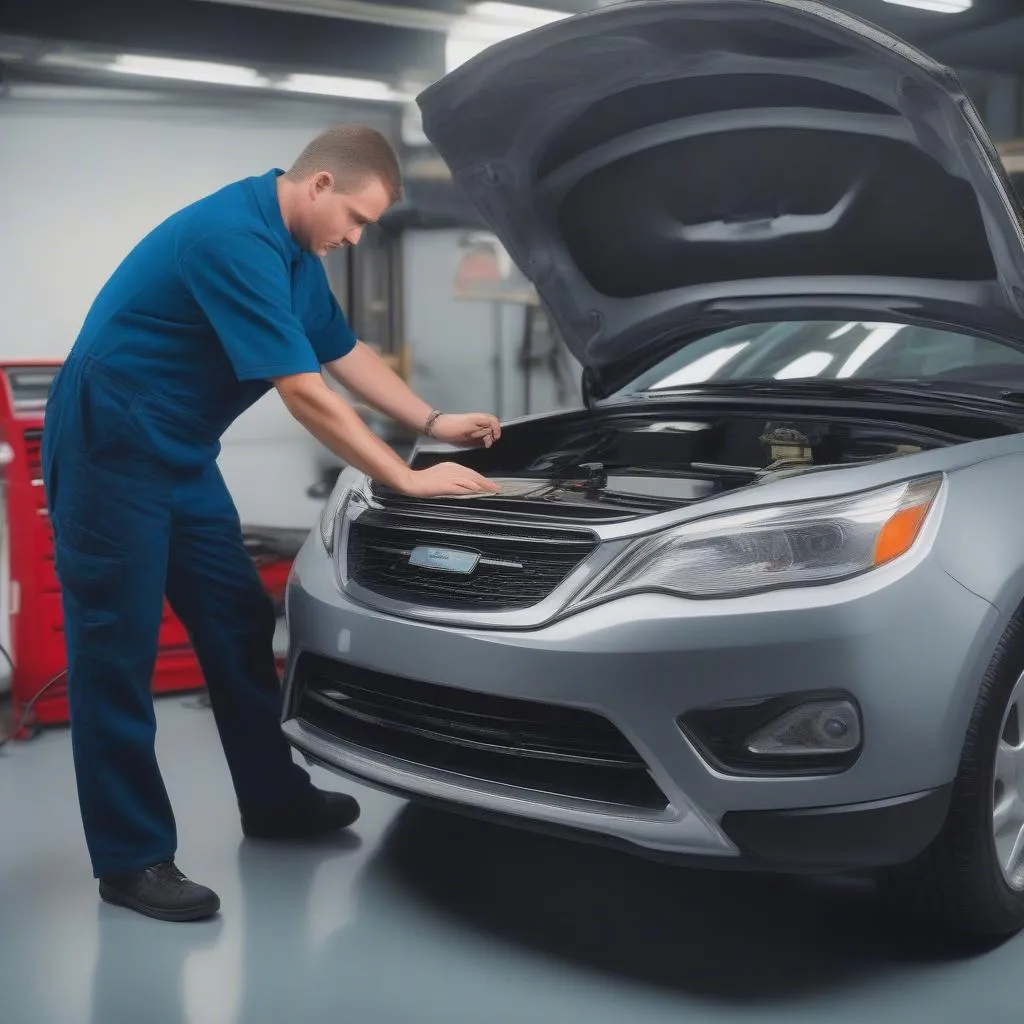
(393, 40)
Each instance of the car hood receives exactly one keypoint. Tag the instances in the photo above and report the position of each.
(663, 169)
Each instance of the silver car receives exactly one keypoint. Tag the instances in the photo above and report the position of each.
(760, 603)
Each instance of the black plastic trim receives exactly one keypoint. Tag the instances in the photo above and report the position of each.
(535, 746)
(719, 734)
(849, 837)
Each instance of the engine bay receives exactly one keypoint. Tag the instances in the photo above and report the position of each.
(581, 467)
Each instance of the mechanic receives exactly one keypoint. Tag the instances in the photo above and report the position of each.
(219, 304)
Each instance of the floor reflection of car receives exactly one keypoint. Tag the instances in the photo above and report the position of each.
(761, 603)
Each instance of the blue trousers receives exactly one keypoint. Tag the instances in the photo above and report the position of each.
(136, 519)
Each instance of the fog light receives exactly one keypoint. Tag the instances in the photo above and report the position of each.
(818, 733)
(821, 728)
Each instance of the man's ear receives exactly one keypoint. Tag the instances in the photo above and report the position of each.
(323, 182)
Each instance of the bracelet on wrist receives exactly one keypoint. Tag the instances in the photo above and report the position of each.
(428, 427)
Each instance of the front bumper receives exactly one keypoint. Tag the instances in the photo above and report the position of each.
(907, 642)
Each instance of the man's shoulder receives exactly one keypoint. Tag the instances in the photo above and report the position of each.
(227, 215)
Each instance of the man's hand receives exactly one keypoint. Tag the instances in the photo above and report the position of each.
(335, 424)
(467, 430)
(446, 479)
(365, 374)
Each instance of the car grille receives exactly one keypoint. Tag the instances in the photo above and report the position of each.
(518, 566)
(531, 745)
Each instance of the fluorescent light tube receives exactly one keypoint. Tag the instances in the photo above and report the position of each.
(515, 16)
(490, 22)
(938, 6)
(187, 70)
(351, 88)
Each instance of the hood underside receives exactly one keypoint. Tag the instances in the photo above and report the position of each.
(666, 168)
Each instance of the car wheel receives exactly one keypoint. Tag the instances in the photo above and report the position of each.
(971, 879)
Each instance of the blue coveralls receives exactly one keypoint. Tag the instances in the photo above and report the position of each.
(183, 338)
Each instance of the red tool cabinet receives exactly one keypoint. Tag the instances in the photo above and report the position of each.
(34, 599)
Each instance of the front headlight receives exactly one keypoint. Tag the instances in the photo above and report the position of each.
(769, 548)
(347, 479)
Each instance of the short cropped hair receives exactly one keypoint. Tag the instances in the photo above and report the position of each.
(354, 154)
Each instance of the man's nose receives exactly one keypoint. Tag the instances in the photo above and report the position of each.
(354, 235)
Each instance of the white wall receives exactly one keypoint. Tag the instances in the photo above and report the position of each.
(452, 341)
(81, 180)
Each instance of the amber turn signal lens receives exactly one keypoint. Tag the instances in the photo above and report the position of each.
(899, 533)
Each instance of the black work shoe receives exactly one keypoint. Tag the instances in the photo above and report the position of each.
(160, 891)
(319, 815)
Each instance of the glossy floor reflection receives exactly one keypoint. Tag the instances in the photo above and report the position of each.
(426, 917)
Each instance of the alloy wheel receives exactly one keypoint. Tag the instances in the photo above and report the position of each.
(1008, 791)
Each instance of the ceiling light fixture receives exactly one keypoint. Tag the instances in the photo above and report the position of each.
(233, 75)
(187, 70)
(487, 23)
(515, 15)
(350, 88)
(938, 6)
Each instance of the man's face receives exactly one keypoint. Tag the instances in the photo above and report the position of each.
(337, 219)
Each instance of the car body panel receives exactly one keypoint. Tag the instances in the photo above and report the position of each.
(982, 544)
(808, 486)
(907, 640)
(910, 641)
(809, 151)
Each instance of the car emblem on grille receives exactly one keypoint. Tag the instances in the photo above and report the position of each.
(444, 559)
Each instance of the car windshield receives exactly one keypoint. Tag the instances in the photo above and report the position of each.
(836, 351)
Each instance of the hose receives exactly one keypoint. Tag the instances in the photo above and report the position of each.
(27, 712)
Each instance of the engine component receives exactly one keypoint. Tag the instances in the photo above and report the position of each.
(788, 448)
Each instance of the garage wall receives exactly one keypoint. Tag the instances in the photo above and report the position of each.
(83, 175)
(81, 180)
(455, 344)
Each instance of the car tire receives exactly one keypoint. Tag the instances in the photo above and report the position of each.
(958, 883)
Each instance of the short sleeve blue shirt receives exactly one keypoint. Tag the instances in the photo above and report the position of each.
(212, 305)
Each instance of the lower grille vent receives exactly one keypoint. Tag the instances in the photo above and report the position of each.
(528, 744)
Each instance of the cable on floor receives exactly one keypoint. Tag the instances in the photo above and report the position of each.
(27, 712)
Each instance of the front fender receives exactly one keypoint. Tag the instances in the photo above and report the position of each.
(980, 541)
(980, 544)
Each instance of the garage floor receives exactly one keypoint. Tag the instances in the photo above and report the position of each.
(420, 917)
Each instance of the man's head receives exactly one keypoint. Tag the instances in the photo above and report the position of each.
(343, 180)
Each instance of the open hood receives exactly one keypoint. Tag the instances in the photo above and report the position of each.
(666, 168)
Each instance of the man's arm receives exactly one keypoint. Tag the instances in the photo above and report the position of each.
(335, 424)
(238, 280)
(366, 375)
